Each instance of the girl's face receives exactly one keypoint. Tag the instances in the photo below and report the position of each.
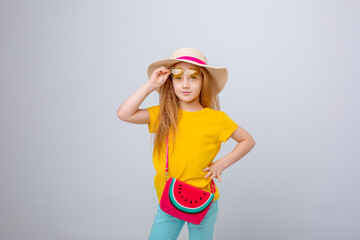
(187, 88)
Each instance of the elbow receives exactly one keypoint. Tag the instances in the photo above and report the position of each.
(121, 116)
(252, 143)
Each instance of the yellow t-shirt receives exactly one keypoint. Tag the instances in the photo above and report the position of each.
(198, 141)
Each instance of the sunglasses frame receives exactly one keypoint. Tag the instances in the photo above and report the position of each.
(187, 70)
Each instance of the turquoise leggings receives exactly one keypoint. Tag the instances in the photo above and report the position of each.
(167, 227)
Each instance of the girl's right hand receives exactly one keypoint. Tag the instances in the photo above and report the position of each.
(159, 76)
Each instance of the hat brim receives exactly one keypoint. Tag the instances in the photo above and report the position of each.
(218, 75)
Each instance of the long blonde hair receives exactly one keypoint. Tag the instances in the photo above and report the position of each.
(169, 114)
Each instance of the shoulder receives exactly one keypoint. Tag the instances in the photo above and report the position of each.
(221, 116)
(216, 113)
(153, 115)
(213, 116)
(156, 107)
(153, 109)
(153, 112)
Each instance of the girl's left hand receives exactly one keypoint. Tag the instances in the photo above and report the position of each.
(214, 170)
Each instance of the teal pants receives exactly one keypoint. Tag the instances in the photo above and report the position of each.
(167, 227)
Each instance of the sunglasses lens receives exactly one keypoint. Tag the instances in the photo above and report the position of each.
(194, 72)
(176, 72)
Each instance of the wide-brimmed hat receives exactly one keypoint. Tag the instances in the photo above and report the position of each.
(194, 56)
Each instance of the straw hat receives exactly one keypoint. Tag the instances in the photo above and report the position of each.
(196, 57)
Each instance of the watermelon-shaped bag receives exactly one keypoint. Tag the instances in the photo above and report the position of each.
(184, 201)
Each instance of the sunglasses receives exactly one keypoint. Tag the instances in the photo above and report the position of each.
(177, 72)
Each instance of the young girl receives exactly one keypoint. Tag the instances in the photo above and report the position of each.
(189, 111)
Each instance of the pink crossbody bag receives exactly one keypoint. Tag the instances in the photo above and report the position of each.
(184, 201)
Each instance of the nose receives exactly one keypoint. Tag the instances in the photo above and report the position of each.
(186, 82)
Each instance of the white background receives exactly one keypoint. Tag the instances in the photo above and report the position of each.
(71, 169)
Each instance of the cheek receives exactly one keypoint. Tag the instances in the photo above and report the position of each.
(175, 85)
(198, 84)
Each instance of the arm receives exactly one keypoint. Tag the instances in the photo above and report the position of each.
(245, 144)
(129, 111)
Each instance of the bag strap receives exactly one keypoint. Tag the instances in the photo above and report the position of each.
(213, 188)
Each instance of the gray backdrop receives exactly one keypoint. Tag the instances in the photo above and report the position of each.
(70, 169)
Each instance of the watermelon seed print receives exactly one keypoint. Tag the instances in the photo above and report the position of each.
(188, 201)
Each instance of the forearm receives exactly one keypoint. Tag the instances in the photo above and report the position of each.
(241, 149)
(132, 103)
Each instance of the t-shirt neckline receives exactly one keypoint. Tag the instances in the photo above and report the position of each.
(193, 112)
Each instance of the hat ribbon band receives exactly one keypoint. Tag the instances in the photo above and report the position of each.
(192, 59)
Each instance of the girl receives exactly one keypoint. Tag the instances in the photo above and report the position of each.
(189, 111)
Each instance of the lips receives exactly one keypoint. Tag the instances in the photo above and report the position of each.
(185, 93)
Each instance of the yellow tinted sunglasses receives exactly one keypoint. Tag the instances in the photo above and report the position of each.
(177, 72)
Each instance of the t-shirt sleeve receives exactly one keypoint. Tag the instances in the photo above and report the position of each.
(154, 112)
(227, 127)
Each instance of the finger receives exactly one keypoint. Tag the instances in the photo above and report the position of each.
(158, 71)
(165, 70)
(206, 169)
(213, 175)
(208, 174)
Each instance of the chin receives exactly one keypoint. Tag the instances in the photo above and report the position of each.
(188, 100)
